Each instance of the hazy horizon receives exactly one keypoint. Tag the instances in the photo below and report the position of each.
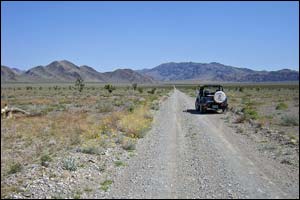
(143, 35)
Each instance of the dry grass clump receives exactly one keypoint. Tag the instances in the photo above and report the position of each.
(135, 124)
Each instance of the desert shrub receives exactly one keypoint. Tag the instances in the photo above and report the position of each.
(119, 163)
(109, 88)
(45, 159)
(134, 86)
(75, 137)
(119, 139)
(104, 107)
(77, 195)
(14, 168)
(240, 119)
(152, 91)
(241, 89)
(281, 106)
(129, 106)
(128, 144)
(148, 116)
(140, 90)
(79, 84)
(90, 150)
(250, 113)
(134, 124)
(155, 105)
(69, 164)
(289, 121)
(118, 102)
(105, 185)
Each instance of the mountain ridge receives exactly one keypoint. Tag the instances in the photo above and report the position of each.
(214, 71)
(66, 71)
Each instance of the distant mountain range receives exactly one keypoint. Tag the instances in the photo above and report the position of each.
(65, 71)
(216, 72)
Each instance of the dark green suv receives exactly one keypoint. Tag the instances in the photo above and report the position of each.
(211, 97)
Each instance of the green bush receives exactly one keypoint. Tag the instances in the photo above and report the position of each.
(79, 84)
(105, 185)
(152, 91)
(109, 88)
(45, 159)
(250, 113)
(155, 105)
(140, 90)
(134, 86)
(119, 163)
(118, 102)
(14, 168)
(281, 106)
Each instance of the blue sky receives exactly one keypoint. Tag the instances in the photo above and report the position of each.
(110, 35)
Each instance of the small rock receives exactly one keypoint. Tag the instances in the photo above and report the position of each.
(26, 194)
(293, 141)
(52, 142)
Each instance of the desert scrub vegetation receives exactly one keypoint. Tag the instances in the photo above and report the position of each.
(281, 106)
(105, 185)
(289, 121)
(69, 163)
(128, 144)
(136, 123)
(45, 159)
(67, 120)
(14, 168)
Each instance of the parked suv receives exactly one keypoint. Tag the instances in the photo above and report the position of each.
(211, 97)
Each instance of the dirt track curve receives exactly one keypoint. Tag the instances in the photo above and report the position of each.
(190, 155)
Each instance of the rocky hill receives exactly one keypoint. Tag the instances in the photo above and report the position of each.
(216, 72)
(127, 75)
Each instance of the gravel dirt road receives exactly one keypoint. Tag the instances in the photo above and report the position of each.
(192, 155)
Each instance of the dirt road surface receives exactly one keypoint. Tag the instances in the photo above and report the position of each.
(192, 155)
